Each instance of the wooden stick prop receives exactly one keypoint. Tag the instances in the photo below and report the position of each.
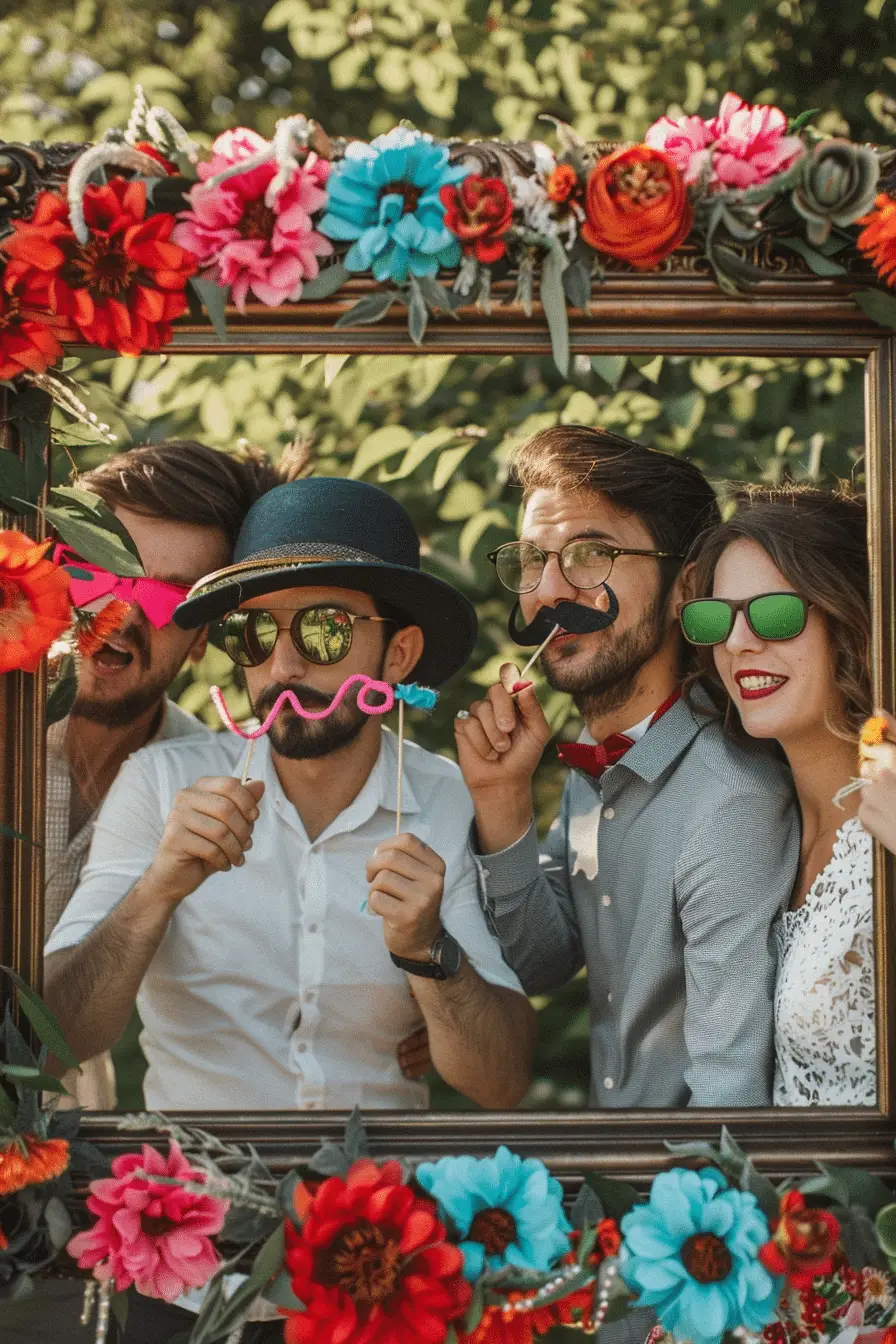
(418, 697)
(531, 663)
(873, 734)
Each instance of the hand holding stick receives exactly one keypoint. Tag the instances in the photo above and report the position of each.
(517, 688)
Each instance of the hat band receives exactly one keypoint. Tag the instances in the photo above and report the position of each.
(324, 553)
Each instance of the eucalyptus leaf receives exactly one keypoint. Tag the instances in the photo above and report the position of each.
(553, 301)
(616, 1197)
(355, 1140)
(326, 282)
(330, 1160)
(438, 297)
(610, 368)
(58, 1220)
(13, 486)
(587, 1208)
(817, 263)
(367, 310)
(47, 1029)
(877, 305)
(213, 298)
(12, 834)
(418, 313)
(577, 283)
(93, 542)
(61, 698)
(281, 1294)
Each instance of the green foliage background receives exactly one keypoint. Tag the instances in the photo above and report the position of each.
(439, 430)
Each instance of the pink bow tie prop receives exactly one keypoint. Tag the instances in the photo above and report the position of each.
(155, 598)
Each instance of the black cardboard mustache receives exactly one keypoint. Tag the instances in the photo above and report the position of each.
(572, 617)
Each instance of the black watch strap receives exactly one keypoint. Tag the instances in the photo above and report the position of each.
(430, 969)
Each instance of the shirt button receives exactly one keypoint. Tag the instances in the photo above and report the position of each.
(302, 1046)
(309, 996)
(608, 1084)
(486, 873)
(609, 998)
(609, 813)
(310, 1105)
(312, 928)
(606, 900)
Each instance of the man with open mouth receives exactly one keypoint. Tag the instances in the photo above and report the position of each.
(674, 848)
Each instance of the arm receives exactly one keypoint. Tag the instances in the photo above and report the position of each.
(95, 964)
(481, 1034)
(528, 899)
(732, 877)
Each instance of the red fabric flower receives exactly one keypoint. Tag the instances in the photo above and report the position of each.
(121, 289)
(503, 1325)
(29, 339)
(804, 1242)
(478, 211)
(34, 602)
(371, 1264)
(562, 182)
(637, 206)
(152, 153)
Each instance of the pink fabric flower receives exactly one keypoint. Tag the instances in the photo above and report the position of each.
(245, 243)
(148, 1234)
(743, 145)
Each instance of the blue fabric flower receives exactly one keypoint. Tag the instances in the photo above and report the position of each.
(384, 197)
(691, 1251)
(507, 1211)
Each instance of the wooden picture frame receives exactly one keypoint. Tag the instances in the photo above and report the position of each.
(679, 310)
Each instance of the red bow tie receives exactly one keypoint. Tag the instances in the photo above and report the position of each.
(594, 760)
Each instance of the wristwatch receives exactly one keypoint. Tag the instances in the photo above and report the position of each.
(445, 956)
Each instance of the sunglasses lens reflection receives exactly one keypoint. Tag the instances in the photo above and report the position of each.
(707, 621)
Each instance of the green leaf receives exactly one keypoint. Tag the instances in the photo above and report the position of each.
(475, 1310)
(214, 300)
(797, 123)
(118, 1305)
(93, 543)
(474, 530)
(13, 487)
(382, 444)
(7, 1110)
(98, 512)
(24, 1075)
(577, 283)
(367, 310)
(266, 1265)
(877, 305)
(439, 298)
(355, 1140)
(59, 1223)
(610, 368)
(848, 1186)
(12, 834)
(553, 302)
(617, 1197)
(62, 697)
(280, 1293)
(326, 282)
(418, 313)
(587, 1208)
(419, 451)
(817, 263)
(885, 1226)
(48, 1030)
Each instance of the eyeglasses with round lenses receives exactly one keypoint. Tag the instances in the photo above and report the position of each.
(321, 634)
(771, 617)
(586, 563)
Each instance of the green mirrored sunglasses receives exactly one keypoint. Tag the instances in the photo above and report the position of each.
(320, 634)
(771, 616)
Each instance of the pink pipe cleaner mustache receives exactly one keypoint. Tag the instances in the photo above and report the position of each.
(369, 684)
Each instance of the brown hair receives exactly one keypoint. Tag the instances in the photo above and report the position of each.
(671, 497)
(818, 540)
(187, 482)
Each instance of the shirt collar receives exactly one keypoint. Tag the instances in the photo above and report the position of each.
(380, 789)
(669, 737)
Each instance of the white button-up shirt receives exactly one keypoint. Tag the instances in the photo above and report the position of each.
(273, 988)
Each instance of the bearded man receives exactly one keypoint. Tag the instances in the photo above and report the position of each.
(675, 847)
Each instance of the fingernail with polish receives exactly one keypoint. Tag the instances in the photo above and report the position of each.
(519, 686)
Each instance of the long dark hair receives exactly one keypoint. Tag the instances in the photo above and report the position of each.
(818, 540)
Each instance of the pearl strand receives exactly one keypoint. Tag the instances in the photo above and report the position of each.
(102, 1315)
(90, 1288)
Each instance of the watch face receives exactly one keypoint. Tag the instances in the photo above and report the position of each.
(446, 952)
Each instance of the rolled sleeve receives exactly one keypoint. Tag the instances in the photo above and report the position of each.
(125, 838)
(464, 918)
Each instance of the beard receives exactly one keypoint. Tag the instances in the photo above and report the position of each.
(607, 681)
(301, 739)
(124, 709)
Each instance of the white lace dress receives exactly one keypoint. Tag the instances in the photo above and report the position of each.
(824, 995)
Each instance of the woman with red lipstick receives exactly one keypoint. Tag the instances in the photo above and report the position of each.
(783, 625)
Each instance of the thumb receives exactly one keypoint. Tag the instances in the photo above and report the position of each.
(529, 708)
(255, 787)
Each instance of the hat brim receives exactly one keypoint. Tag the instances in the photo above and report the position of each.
(446, 617)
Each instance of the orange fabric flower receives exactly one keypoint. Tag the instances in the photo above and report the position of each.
(121, 289)
(874, 732)
(94, 626)
(562, 182)
(636, 206)
(877, 241)
(30, 1161)
(34, 602)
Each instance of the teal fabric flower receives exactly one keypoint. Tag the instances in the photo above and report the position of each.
(507, 1211)
(384, 198)
(691, 1252)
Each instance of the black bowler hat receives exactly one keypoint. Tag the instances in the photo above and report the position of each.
(326, 530)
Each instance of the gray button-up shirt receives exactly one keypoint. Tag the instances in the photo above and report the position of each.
(663, 881)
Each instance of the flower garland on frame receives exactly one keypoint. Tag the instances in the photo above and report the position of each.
(292, 219)
(459, 1251)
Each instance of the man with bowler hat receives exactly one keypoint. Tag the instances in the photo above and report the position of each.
(278, 938)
